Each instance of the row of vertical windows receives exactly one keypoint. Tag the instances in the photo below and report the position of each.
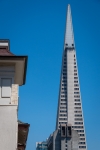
(78, 115)
(63, 99)
(63, 107)
(82, 146)
(77, 103)
(64, 96)
(81, 134)
(64, 74)
(75, 74)
(77, 100)
(76, 85)
(77, 107)
(62, 122)
(62, 118)
(63, 92)
(76, 96)
(63, 88)
(63, 103)
(77, 126)
(78, 111)
(76, 88)
(63, 114)
(80, 130)
(64, 84)
(82, 139)
(63, 110)
(79, 119)
(75, 70)
(75, 77)
(76, 92)
(81, 142)
(78, 122)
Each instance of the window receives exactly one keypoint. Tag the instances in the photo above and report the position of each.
(63, 131)
(75, 70)
(78, 115)
(81, 134)
(82, 138)
(79, 119)
(76, 96)
(76, 88)
(81, 142)
(78, 122)
(75, 77)
(77, 107)
(64, 70)
(76, 92)
(80, 130)
(77, 126)
(82, 146)
(76, 81)
(63, 110)
(75, 84)
(6, 87)
(77, 103)
(75, 74)
(77, 100)
(78, 111)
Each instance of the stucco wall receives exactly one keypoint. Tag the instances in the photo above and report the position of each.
(8, 127)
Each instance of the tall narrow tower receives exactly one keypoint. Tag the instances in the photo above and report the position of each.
(69, 106)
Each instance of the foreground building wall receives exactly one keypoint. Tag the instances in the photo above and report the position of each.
(11, 77)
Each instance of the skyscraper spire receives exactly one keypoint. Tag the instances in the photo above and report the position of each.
(69, 36)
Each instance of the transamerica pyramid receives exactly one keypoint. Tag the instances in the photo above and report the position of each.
(70, 132)
(70, 105)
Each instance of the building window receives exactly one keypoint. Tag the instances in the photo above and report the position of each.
(77, 103)
(6, 87)
(78, 119)
(75, 81)
(78, 122)
(81, 134)
(81, 142)
(76, 88)
(78, 111)
(82, 146)
(76, 96)
(78, 115)
(82, 139)
(77, 100)
(76, 92)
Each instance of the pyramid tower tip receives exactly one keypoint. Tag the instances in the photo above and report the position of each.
(69, 35)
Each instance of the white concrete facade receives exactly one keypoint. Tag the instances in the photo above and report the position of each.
(8, 109)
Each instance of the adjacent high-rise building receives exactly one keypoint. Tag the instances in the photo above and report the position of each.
(70, 132)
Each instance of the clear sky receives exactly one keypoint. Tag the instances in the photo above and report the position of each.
(36, 28)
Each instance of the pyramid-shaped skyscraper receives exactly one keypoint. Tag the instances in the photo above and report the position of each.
(69, 133)
(69, 104)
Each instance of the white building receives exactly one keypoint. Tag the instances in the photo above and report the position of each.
(12, 75)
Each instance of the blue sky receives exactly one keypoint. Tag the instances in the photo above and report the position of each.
(36, 28)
